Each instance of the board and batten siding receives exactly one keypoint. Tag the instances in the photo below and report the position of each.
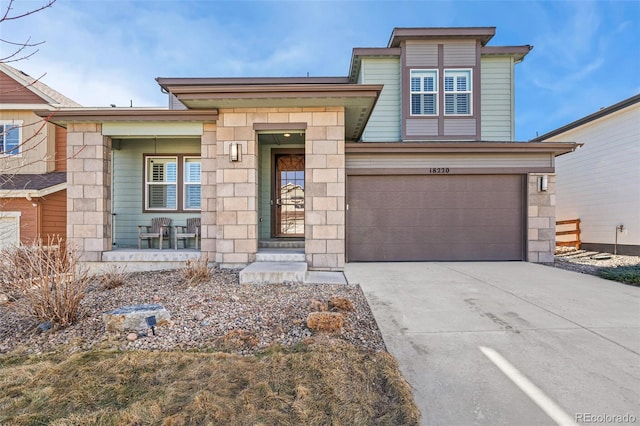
(452, 160)
(128, 180)
(384, 123)
(600, 182)
(496, 97)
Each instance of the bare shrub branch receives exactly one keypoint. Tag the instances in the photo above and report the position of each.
(45, 281)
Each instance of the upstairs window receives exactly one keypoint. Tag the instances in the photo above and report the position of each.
(10, 135)
(457, 92)
(424, 92)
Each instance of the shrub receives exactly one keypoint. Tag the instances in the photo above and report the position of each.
(197, 271)
(113, 276)
(45, 282)
(624, 274)
(325, 321)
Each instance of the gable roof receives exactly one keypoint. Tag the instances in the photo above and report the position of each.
(591, 117)
(44, 92)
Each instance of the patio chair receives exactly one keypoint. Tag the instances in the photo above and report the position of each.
(160, 228)
(192, 230)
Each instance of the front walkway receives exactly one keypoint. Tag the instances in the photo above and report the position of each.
(470, 336)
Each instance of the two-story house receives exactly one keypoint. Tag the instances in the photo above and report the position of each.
(33, 177)
(409, 157)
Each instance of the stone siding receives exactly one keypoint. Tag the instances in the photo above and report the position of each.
(237, 184)
(88, 190)
(541, 206)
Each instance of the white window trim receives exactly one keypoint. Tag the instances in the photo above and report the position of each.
(435, 92)
(16, 216)
(180, 183)
(147, 183)
(184, 182)
(470, 91)
(19, 124)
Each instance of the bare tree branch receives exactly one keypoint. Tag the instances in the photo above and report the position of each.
(9, 8)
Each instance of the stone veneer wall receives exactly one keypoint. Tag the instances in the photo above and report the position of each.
(237, 186)
(541, 219)
(208, 217)
(88, 190)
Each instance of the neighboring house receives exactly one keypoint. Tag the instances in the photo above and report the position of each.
(600, 183)
(409, 157)
(33, 176)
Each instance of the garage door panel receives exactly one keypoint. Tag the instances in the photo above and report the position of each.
(454, 217)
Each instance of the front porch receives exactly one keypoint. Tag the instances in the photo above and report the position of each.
(135, 260)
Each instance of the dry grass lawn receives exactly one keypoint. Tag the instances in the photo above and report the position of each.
(321, 383)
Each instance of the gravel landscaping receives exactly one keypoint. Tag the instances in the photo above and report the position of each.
(219, 314)
(591, 262)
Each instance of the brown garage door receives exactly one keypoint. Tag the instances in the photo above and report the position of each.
(427, 217)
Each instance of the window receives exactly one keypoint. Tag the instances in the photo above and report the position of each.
(457, 92)
(162, 183)
(172, 182)
(192, 184)
(10, 135)
(424, 92)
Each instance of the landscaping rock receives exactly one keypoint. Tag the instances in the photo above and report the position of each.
(132, 336)
(134, 317)
(45, 326)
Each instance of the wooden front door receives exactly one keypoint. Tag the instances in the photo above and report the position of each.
(288, 202)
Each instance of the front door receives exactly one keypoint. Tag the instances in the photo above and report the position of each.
(288, 197)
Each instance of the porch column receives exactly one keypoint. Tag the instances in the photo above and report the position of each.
(325, 190)
(237, 190)
(541, 234)
(208, 154)
(88, 190)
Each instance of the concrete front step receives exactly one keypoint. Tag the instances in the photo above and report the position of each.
(280, 255)
(274, 273)
(283, 244)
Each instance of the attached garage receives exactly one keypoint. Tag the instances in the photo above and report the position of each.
(436, 217)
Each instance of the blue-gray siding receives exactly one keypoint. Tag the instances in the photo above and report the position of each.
(127, 189)
(497, 98)
(384, 123)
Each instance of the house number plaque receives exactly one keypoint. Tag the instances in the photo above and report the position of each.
(439, 170)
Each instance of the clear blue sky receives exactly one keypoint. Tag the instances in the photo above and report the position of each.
(586, 53)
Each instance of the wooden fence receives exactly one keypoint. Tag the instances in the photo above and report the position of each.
(576, 241)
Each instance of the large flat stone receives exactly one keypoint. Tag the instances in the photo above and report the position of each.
(134, 317)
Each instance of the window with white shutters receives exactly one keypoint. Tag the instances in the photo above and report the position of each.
(192, 183)
(457, 92)
(162, 183)
(424, 92)
(172, 183)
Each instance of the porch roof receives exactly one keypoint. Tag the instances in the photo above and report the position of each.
(357, 99)
(99, 115)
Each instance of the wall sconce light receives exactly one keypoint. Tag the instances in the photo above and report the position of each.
(543, 183)
(234, 152)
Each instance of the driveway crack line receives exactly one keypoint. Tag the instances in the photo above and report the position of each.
(543, 308)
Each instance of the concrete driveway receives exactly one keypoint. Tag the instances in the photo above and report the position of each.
(509, 343)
